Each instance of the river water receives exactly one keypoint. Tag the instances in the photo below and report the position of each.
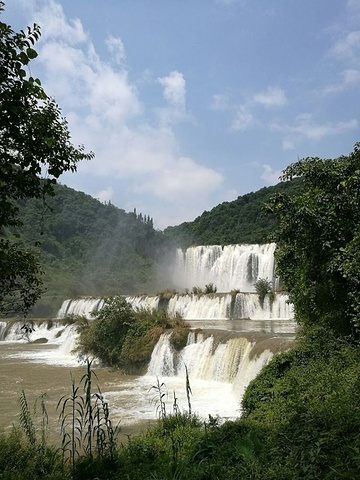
(46, 369)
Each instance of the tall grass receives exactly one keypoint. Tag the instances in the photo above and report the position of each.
(86, 428)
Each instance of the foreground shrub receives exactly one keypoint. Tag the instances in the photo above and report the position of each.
(19, 459)
(307, 400)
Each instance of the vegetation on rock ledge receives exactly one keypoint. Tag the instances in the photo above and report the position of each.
(122, 337)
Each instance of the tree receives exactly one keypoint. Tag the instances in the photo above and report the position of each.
(35, 149)
(318, 242)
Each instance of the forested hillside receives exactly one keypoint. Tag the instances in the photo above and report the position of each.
(89, 248)
(241, 221)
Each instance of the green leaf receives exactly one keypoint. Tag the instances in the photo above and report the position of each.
(31, 53)
(24, 59)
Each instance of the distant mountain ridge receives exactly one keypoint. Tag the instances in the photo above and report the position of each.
(240, 221)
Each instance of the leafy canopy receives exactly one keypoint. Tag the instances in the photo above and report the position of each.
(35, 149)
(318, 242)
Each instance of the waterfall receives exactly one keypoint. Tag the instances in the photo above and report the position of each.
(247, 305)
(54, 341)
(48, 331)
(83, 307)
(215, 358)
(229, 268)
(221, 306)
(200, 307)
(140, 302)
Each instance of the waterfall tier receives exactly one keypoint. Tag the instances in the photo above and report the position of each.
(196, 307)
(230, 267)
(83, 307)
(216, 357)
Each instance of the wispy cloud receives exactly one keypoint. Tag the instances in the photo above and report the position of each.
(350, 78)
(347, 46)
(269, 175)
(272, 97)
(306, 127)
(175, 94)
(247, 116)
(116, 48)
(220, 102)
(243, 120)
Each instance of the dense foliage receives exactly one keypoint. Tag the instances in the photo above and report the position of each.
(318, 240)
(122, 337)
(241, 221)
(89, 248)
(33, 138)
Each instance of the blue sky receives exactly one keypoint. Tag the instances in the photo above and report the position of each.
(189, 103)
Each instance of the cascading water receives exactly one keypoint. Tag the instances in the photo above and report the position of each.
(232, 268)
(198, 307)
(229, 268)
(83, 307)
(140, 302)
(226, 363)
(221, 358)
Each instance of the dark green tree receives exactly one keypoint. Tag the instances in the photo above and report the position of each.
(35, 149)
(318, 242)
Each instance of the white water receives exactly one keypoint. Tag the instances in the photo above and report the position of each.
(83, 307)
(197, 307)
(220, 366)
(200, 307)
(247, 305)
(56, 334)
(229, 268)
(141, 302)
(221, 362)
(205, 358)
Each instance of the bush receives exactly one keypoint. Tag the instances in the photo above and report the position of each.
(263, 286)
(122, 337)
(304, 399)
(19, 460)
(103, 337)
(210, 288)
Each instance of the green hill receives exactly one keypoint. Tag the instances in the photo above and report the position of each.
(89, 248)
(240, 221)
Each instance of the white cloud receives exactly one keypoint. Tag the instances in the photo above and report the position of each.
(306, 127)
(269, 175)
(175, 94)
(116, 48)
(54, 24)
(272, 97)
(105, 195)
(347, 46)
(243, 120)
(182, 178)
(104, 113)
(219, 102)
(350, 78)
